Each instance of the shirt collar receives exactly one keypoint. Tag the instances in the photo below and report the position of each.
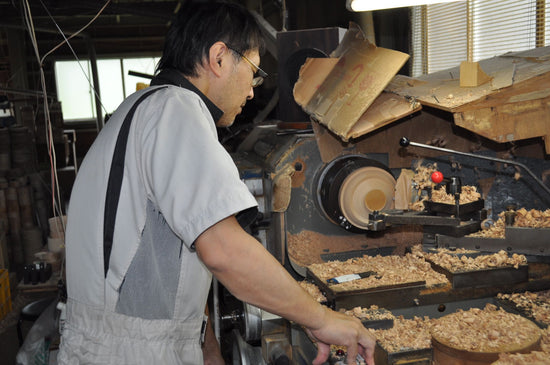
(174, 77)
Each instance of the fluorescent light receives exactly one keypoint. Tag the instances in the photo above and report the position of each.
(368, 5)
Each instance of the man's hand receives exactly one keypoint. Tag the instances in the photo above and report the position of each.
(212, 358)
(211, 352)
(340, 329)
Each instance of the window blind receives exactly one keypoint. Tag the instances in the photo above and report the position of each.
(501, 26)
(443, 35)
(418, 41)
(447, 36)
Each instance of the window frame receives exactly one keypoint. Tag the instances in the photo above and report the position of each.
(89, 120)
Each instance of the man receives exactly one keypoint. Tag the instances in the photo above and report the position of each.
(153, 212)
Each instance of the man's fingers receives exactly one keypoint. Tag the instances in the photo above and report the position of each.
(322, 353)
(352, 354)
(367, 344)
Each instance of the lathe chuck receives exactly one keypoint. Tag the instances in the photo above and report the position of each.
(353, 186)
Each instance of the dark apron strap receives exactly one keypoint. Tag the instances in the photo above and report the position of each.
(115, 181)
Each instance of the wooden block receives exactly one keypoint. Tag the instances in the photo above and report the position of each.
(471, 74)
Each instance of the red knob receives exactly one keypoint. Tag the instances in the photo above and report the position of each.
(437, 177)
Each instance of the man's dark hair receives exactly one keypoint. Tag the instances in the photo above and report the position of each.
(198, 25)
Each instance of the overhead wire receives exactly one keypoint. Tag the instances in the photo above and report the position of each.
(47, 120)
(27, 16)
(66, 40)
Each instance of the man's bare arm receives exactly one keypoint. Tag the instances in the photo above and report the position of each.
(254, 276)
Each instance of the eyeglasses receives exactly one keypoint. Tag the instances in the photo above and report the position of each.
(257, 80)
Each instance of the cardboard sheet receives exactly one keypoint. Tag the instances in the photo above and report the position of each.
(337, 92)
(442, 89)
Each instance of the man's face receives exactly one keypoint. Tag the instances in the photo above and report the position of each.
(238, 88)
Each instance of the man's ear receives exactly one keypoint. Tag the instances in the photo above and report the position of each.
(217, 58)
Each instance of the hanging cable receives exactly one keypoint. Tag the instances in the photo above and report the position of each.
(74, 34)
(47, 119)
(66, 40)
(55, 190)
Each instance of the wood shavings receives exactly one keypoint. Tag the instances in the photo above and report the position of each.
(532, 218)
(545, 340)
(523, 218)
(534, 305)
(469, 194)
(372, 313)
(417, 250)
(390, 270)
(307, 247)
(455, 263)
(405, 335)
(418, 205)
(313, 290)
(422, 178)
(485, 330)
(532, 358)
(497, 230)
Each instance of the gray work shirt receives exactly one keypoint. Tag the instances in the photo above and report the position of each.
(178, 182)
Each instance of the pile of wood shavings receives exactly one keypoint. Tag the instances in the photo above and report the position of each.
(536, 305)
(497, 230)
(485, 330)
(533, 358)
(405, 335)
(456, 263)
(313, 290)
(372, 313)
(532, 218)
(524, 218)
(545, 340)
(417, 249)
(390, 270)
(469, 194)
(418, 206)
(422, 178)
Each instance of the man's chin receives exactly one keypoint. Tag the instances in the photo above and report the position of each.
(225, 121)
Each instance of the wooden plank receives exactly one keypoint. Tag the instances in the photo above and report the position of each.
(509, 122)
(535, 88)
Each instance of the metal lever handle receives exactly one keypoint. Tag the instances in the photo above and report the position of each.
(405, 142)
